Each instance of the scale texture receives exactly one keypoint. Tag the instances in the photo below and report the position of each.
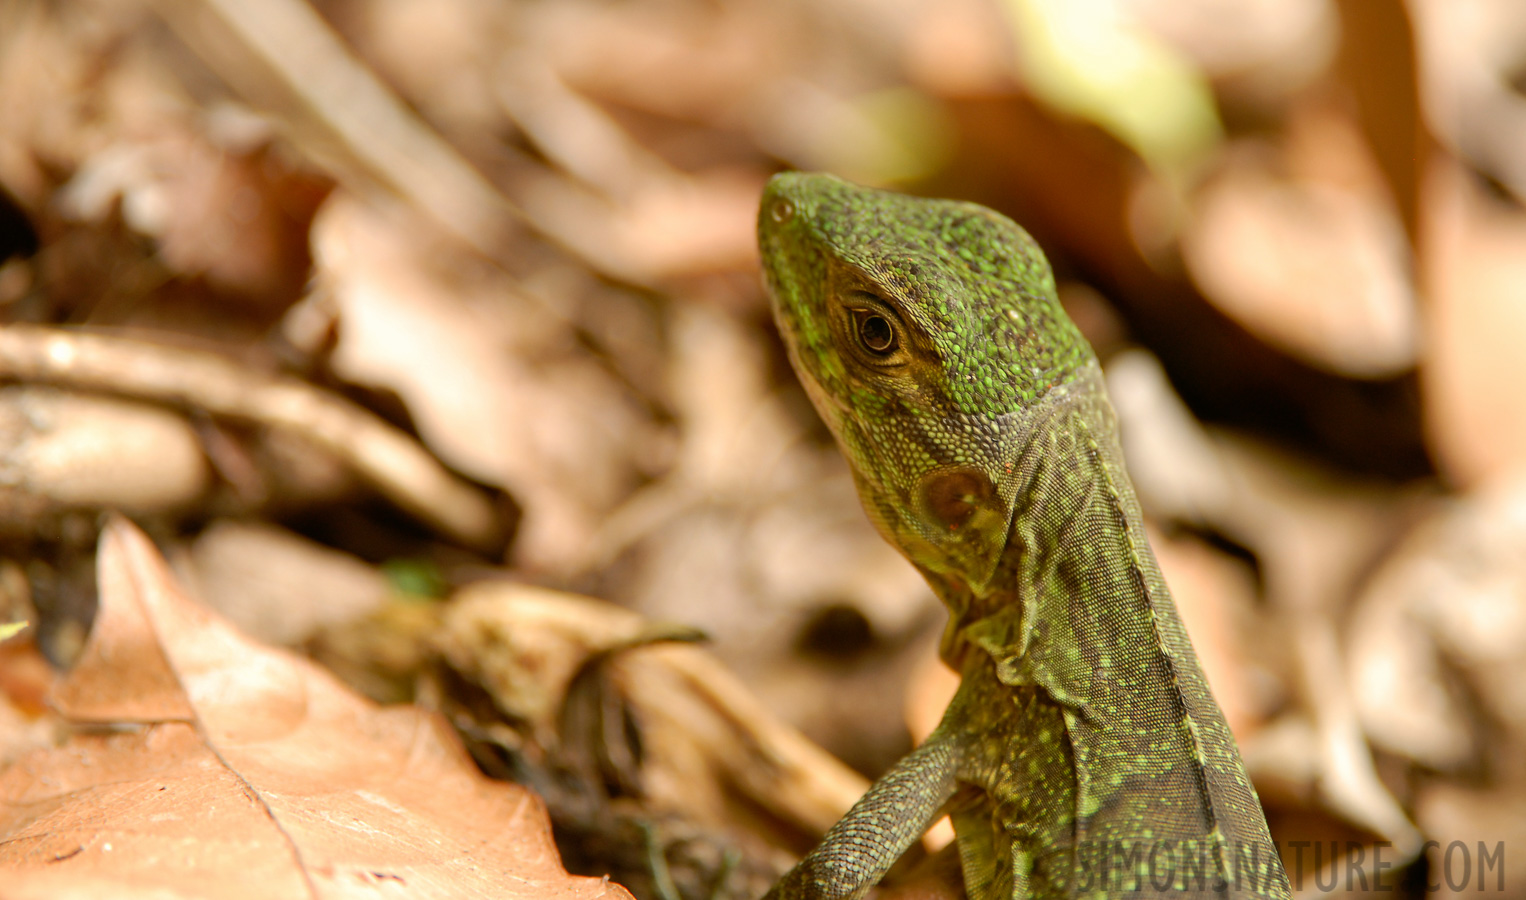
(1083, 755)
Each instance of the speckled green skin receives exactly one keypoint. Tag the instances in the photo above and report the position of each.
(1083, 755)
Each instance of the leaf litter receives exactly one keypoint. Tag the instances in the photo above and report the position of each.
(208, 765)
(342, 299)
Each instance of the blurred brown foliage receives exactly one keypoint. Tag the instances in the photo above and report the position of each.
(360, 303)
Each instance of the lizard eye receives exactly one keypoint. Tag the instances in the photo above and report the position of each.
(875, 332)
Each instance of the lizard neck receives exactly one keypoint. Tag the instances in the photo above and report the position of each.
(1078, 612)
(1077, 605)
(1073, 502)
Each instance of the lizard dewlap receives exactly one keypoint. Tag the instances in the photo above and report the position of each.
(1083, 755)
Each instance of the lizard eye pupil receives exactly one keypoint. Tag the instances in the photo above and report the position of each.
(876, 334)
(782, 211)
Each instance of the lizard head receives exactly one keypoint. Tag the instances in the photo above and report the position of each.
(926, 333)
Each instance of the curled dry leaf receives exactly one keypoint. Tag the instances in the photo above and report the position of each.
(635, 738)
(490, 375)
(705, 735)
(251, 773)
(236, 215)
(1311, 267)
(280, 587)
(1437, 638)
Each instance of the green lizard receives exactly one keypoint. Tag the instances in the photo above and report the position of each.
(1083, 754)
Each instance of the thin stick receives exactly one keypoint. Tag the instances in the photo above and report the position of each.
(397, 465)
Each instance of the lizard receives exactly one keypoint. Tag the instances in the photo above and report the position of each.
(1083, 754)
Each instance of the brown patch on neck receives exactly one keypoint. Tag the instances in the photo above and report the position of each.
(953, 496)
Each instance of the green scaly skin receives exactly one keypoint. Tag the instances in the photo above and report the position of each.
(1083, 738)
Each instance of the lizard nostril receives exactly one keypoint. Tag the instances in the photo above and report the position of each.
(952, 497)
(782, 211)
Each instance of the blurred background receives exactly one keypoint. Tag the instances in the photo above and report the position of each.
(355, 303)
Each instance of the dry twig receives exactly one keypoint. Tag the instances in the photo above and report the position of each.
(392, 461)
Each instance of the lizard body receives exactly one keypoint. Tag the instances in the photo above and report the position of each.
(1083, 754)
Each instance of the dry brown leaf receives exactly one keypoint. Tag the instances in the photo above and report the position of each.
(687, 64)
(26, 724)
(1437, 637)
(704, 733)
(1475, 249)
(1282, 41)
(220, 205)
(251, 773)
(1315, 264)
(276, 586)
(489, 374)
(1474, 831)
(1470, 56)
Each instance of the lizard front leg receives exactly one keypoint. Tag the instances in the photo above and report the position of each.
(857, 852)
